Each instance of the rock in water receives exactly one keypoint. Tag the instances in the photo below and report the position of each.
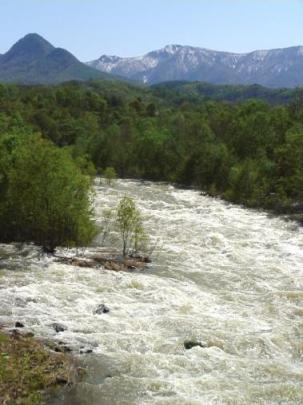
(58, 327)
(102, 309)
(189, 344)
(19, 325)
(86, 351)
(62, 349)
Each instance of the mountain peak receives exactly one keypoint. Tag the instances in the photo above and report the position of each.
(33, 36)
(172, 48)
(29, 48)
(109, 58)
(34, 60)
(33, 40)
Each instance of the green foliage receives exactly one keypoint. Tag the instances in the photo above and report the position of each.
(110, 175)
(289, 158)
(192, 92)
(130, 226)
(248, 150)
(44, 197)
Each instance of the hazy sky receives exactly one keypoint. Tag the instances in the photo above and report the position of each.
(89, 28)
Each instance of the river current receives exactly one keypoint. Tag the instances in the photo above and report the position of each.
(225, 276)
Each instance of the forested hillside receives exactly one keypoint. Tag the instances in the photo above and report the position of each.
(179, 92)
(249, 152)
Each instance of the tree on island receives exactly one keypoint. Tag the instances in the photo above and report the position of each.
(130, 226)
(110, 175)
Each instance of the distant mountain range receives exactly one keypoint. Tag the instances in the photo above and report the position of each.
(273, 68)
(34, 60)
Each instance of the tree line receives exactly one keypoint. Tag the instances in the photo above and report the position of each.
(249, 153)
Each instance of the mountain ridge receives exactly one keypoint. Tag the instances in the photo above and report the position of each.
(281, 67)
(34, 60)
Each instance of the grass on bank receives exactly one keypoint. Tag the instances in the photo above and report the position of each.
(28, 370)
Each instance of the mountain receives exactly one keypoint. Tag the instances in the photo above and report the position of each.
(34, 60)
(273, 68)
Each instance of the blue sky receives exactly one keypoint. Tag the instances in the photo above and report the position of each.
(89, 28)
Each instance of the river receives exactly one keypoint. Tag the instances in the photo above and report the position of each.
(223, 275)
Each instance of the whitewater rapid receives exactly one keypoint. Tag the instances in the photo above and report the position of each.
(223, 275)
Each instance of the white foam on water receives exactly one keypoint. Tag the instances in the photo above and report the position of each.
(225, 276)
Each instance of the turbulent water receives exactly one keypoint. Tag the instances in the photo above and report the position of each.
(225, 276)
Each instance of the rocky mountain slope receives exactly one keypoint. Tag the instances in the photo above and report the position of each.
(273, 68)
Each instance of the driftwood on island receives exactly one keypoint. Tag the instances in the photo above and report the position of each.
(110, 260)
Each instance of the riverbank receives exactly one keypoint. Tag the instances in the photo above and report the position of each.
(29, 370)
(33, 369)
